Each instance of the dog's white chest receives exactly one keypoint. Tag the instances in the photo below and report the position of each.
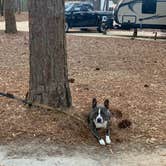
(101, 125)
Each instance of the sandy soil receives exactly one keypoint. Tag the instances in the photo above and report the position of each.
(21, 26)
(34, 154)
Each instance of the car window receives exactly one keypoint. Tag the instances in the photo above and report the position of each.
(149, 6)
(86, 8)
(77, 8)
(68, 7)
(89, 7)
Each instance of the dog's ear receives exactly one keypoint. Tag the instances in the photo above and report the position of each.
(94, 102)
(106, 103)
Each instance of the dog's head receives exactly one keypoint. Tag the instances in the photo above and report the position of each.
(101, 113)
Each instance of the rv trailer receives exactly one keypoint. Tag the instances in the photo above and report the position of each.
(141, 14)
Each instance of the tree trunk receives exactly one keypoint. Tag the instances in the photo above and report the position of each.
(19, 6)
(10, 16)
(107, 5)
(97, 4)
(2, 7)
(48, 58)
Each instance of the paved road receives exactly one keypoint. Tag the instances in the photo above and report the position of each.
(23, 26)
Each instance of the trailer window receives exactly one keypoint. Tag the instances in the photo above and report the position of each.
(149, 6)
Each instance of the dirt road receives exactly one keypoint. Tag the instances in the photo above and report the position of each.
(23, 26)
(32, 154)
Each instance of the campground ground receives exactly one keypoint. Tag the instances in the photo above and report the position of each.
(131, 73)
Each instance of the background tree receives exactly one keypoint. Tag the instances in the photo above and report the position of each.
(10, 16)
(2, 7)
(97, 4)
(18, 6)
(106, 5)
(48, 59)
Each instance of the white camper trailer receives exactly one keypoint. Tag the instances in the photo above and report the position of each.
(141, 14)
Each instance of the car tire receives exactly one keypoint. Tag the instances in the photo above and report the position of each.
(101, 28)
(66, 27)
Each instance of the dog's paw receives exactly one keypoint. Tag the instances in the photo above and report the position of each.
(108, 140)
(101, 142)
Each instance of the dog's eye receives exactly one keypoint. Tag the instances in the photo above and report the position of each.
(102, 112)
(95, 114)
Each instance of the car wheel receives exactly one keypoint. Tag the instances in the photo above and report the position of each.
(66, 27)
(102, 28)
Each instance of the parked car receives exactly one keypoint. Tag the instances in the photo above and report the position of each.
(82, 15)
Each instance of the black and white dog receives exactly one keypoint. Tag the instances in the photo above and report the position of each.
(99, 117)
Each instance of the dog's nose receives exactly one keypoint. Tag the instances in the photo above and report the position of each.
(99, 120)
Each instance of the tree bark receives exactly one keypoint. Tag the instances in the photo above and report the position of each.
(107, 5)
(10, 16)
(18, 6)
(2, 7)
(97, 4)
(48, 58)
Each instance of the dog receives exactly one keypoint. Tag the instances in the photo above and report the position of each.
(99, 117)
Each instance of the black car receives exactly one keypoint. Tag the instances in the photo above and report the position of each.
(82, 15)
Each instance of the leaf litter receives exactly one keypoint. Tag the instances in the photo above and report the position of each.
(132, 74)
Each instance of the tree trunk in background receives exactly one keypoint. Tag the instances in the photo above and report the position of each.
(96, 4)
(48, 58)
(18, 6)
(2, 7)
(10, 20)
(107, 5)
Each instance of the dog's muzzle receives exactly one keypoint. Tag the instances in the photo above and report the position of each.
(99, 120)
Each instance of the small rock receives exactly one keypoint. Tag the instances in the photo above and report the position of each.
(97, 68)
(71, 80)
(48, 139)
(120, 94)
(150, 140)
(118, 140)
(146, 86)
(86, 88)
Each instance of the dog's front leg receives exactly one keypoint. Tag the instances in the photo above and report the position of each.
(108, 140)
(95, 133)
